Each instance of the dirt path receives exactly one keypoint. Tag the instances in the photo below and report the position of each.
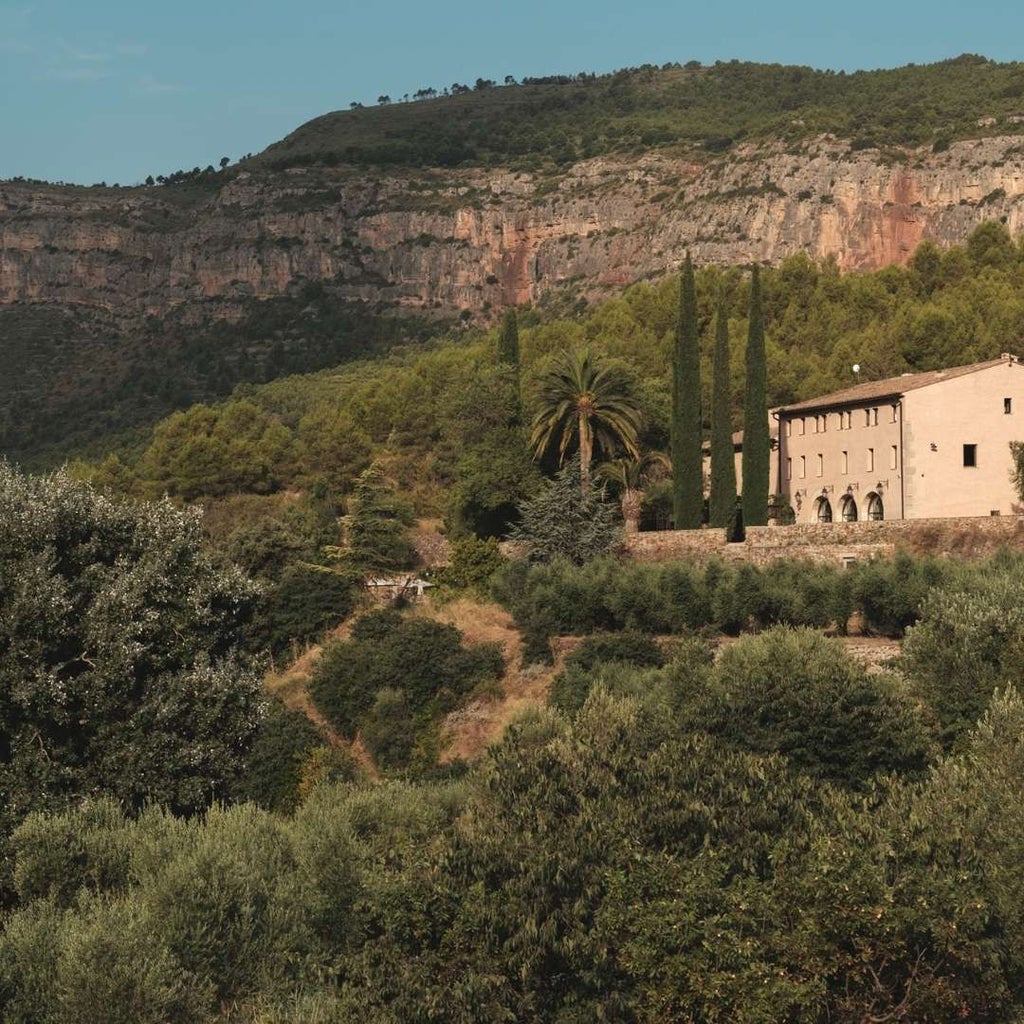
(291, 687)
(470, 730)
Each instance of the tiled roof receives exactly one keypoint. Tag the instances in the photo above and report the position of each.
(891, 387)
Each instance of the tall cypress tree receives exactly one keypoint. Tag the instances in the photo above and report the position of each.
(722, 504)
(756, 451)
(508, 353)
(508, 339)
(687, 470)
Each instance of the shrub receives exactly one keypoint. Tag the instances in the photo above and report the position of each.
(968, 642)
(387, 650)
(891, 593)
(387, 729)
(793, 692)
(308, 600)
(473, 563)
(628, 646)
(274, 766)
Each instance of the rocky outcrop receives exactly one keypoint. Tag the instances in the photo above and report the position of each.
(480, 239)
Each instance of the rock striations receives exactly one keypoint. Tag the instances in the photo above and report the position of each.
(480, 240)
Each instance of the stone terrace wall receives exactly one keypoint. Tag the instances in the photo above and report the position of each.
(835, 542)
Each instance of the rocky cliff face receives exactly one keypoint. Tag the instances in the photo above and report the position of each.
(480, 240)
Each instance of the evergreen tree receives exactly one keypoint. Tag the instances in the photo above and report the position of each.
(377, 538)
(508, 340)
(756, 445)
(723, 467)
(508, 353)
(687, 469)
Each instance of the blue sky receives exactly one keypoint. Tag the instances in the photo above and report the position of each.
(112, 90)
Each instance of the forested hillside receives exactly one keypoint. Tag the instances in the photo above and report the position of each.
(372, 228)
(436, 414)
(246, 779)
(571, 117)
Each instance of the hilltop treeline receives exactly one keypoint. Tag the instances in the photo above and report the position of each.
(565, 118)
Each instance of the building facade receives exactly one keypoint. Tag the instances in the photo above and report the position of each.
(919, 446)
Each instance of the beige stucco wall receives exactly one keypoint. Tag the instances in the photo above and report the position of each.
(917, 450)
(811, 456)
(948, 415)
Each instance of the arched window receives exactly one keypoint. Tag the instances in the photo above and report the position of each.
(824, 511)
(875, 509)
(849, 510)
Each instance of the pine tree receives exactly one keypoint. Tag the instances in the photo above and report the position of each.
(723, 467)
(756, 450)
(687, 469)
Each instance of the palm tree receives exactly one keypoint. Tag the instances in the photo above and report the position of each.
(632, 476)
(584, 399)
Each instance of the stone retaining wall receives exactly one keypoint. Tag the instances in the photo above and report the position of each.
(834, 542)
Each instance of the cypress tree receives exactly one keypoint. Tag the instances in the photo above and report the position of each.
(723, 467)
(687, 468)
(756, 450)
(508, 339)
(508, 353)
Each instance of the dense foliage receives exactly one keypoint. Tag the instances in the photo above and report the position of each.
(120, 669)
(395, 678)
(614, 866)
(686, 428)
(443, 419)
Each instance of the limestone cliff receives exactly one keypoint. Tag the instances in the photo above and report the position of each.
(480, 239)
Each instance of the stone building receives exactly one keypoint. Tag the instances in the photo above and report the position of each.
(920, 446)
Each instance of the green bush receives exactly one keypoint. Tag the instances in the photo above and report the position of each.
(628, 646)
(85, 848)
(473, 563)
(307, 600)
(215, 894)
(419, 656)
(388, 730)
(114, 969)
(891, 593)
(968, 642)
(274, 766)
(793, 692)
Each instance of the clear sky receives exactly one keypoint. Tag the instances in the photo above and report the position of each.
(114, 90)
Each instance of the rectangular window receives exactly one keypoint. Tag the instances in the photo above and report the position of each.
(803, 466)
(874, 417)
(802, 425)
(1007, 405)
(821, 464)
(789, 428)
(870, 462)
(789, 469)
(970, 455)
(824, 423)
(849, 421)
(867, 417)
(844, 462)
(893, 457)
(895, 410)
